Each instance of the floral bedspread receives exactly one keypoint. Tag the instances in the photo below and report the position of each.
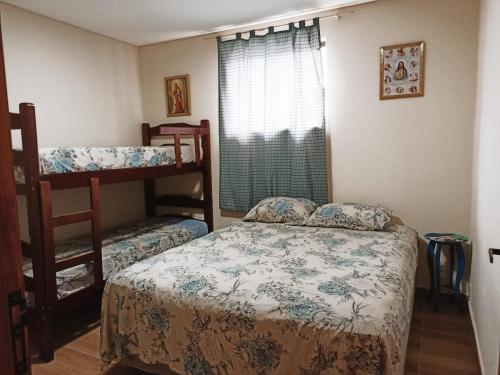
(258, 298)
(121, 247)
(84, 159)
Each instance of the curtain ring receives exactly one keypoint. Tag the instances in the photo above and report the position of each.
(316, 21)
(291, 25)
(302, 24)
(252, 33)
(271, 29)
(238, 36)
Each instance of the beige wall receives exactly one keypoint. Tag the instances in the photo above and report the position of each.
(198, 59)
(485, 293)
(86, 91)
(412, 155)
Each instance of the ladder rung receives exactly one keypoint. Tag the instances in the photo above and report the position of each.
(15, 121)
(76, 217)
(20, 189)
(75, 261)
(18, 158)
(26, 249)
(28, 283)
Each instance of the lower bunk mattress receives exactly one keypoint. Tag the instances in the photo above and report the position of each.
(266, 299)
(121, 247)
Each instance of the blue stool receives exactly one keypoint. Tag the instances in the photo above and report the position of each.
(454, 241)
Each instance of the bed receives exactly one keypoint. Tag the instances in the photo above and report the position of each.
(121, 247)
(41, 171)
(56, 160)
(266, 298)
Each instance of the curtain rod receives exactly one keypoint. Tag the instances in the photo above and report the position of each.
(337, 16)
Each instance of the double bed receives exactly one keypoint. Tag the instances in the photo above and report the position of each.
(266, 298)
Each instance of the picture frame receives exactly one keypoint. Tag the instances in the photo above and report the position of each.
(402, 71)
(177, 96)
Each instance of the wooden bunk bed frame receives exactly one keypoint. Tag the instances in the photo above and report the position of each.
(37, 188)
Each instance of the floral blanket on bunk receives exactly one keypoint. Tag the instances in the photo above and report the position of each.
(267, 299)
(121, 247)
(85, 159)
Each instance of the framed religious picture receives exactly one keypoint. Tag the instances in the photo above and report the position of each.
(402, 71)
(177, 96)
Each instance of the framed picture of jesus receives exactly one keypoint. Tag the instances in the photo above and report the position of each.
(402, 69)
(177, 96)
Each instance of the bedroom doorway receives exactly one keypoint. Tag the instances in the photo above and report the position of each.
(14, 356)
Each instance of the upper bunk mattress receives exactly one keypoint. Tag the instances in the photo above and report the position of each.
(267, 299)
(121, 247)
(85, 159)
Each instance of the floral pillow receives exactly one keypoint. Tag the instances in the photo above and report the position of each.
(285, 210)
(350, 216)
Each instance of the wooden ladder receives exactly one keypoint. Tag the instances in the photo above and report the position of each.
(50, 222)
(51, 265)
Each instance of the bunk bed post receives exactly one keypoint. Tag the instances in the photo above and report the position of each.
(149, 184)
(48, 252)
(95, 208)
(32, 180)
(207, 178)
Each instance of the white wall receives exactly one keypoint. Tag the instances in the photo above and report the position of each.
(412, 155)
(485, 296)
(86, 91)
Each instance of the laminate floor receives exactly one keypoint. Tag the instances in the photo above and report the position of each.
(439, 344)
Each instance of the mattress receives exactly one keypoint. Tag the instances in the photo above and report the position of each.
(121, 247)
(85, 159)
(267, 299)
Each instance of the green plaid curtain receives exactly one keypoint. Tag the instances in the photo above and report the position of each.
(271, 117)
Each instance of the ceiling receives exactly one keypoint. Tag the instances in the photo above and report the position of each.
(142, 22)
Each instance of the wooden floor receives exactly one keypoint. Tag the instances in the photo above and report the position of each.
(78, 345)
(441, 343)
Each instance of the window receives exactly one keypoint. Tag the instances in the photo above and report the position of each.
(271, 117)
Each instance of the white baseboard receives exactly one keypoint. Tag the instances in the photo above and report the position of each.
(478, 345)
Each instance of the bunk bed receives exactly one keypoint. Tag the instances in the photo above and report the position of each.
(39, 172)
